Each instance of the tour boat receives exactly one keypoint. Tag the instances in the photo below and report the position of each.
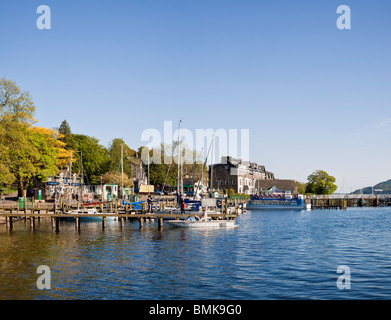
(278, 202)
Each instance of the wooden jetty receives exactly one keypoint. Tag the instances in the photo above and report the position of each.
(329, 204)
(344, 201)
(56, 216)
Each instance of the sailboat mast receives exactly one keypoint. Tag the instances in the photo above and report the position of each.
(179, 160)
(122, 171)
(70, 181)
(81, 176)
(211, 166)
(181, 169)
(148, 173)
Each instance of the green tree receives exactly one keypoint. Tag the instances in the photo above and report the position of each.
(15, 105)
(320, 182)
(67, 137)
(32, 155)
(95, 157)
(300, 187)
(168, 166)
(114, 153)
(16, 116)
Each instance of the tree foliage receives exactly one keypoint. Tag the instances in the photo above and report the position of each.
(167, 169)
(23, 152)
(320, 182)
(300, 187)
(114, 153)
(16, 114)
(32, 155)
(95, 157)
(66, 135)
(111, 177)
(54, 140)
(15, 105)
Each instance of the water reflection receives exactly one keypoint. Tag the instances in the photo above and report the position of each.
(271, 255)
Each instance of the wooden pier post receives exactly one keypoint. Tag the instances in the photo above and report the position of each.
(32, 223)
(103, 223)
(77, 223)
(141, 221)
(122, 222)
(8, 222)
(55, 224)
(39, 216)
(160, 223)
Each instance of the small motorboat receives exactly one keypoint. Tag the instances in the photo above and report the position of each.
(192, 223)
(90, 215)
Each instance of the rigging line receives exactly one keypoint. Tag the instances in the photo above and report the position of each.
(192, 178)
(62, 184)
(203, 167)
(111, 191)
(169, 167)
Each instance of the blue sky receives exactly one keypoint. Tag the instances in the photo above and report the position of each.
(312, 96)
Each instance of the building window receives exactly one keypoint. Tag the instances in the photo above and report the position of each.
(240, 182)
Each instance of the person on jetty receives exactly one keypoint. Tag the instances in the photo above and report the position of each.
(150, 201)
(204, 216)
(183, 206)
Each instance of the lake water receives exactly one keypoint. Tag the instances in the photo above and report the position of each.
(271, 255)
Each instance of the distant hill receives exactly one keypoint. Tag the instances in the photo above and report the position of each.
(385, 186)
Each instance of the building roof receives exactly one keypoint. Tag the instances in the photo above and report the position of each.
(283, 185)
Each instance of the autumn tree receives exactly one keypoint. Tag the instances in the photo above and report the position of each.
(110, 177)
(55, 140)
(33, 154)
(16, 117)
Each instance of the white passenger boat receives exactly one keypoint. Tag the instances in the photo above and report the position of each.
(90, 215)
(202, 224)
(278, 202)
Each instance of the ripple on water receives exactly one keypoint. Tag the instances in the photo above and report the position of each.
(271, 255)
